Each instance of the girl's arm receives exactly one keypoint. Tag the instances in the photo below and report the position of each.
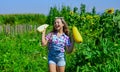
(70, 48)
(44, 41)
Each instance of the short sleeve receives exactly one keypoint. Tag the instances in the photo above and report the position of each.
(68, 43)
(48, 36)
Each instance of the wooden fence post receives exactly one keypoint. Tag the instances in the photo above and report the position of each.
(17, 29)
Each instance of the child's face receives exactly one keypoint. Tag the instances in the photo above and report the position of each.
(58, 24)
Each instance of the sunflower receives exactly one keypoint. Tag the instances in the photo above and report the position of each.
(110, 11)
(89, 17)
(83, 18)
(71, 12)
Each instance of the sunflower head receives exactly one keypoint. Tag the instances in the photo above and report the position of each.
(110, 11)
(71, 12)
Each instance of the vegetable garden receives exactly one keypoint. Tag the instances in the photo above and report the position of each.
(100, 50)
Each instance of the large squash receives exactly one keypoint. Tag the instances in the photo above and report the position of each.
(76, 35)
(42, 27)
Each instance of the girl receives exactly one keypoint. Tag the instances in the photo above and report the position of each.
(58, 41)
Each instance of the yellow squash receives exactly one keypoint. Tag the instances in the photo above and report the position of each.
(76, 35)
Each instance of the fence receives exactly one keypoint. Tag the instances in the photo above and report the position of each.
(17, 29)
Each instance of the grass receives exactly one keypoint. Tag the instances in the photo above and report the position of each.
(22, 53)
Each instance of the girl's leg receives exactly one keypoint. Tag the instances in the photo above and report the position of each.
(61, 65)
(52, 68)
(60, 68)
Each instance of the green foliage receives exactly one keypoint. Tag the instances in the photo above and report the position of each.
(83, 9)
(22, 53)
(94, 10)
(14, 19)
(101, 35)
(99, 52)
(89, 56)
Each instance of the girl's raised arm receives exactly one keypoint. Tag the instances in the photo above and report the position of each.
(44, 41)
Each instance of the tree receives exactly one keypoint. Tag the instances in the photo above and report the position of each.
(83, 9)
(52, 14)
(75, 9)
(94, 10)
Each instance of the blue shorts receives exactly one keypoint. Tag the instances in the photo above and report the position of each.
(59, 61)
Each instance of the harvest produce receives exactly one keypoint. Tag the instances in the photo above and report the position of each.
(42, 27)
(76, 35)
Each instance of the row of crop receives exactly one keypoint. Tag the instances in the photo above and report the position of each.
(95, 54)
(106, 24)
(14, 19)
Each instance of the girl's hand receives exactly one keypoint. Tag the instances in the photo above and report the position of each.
(42, 28)
(43, 32)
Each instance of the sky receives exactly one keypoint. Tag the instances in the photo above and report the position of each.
(43, 6)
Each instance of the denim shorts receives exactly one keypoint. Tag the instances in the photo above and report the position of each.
(59, 61)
